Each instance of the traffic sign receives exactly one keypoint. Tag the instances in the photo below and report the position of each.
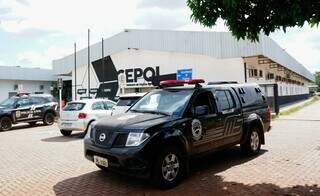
(184, 74)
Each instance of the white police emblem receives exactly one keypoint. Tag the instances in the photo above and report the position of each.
(196, 129)
(18, 114)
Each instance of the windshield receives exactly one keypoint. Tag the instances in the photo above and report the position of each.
(127, 101)
(9, 103)
(168, 102)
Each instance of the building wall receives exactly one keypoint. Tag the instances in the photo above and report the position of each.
(133, 61)
(284, 88)
(7, 86)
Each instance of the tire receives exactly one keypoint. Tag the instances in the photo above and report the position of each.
(65, 132)
(32, 124)
(169, 168)
(48, 118)
(5, 124)
(252, 145)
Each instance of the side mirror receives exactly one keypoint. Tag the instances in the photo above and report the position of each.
(201, 110)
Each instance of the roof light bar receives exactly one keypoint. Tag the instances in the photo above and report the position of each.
(181, 82)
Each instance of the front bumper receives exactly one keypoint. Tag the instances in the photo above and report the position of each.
(129, 161)
(78, 125)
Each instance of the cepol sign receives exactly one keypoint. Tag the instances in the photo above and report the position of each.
(184, 74)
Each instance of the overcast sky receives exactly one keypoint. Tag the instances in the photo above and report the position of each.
(34, 32)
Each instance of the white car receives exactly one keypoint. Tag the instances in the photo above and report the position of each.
(125, 102)
(78, 115)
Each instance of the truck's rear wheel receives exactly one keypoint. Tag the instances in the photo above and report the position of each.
(65, 132)
(48, 118)
(169, 168)
(5, 124)
(252, 144)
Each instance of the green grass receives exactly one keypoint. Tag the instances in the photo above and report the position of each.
(298, 107)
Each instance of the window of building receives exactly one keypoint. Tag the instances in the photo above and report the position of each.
(270, 76)
(260, 73)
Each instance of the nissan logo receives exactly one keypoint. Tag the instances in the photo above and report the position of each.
(102, 137)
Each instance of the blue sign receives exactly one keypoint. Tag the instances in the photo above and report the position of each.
(184, 74)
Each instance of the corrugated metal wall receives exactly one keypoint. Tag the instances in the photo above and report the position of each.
(214, 44)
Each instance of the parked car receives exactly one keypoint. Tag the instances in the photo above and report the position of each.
(27, 108)
(161, 132)
(78, 115)
(125, 101)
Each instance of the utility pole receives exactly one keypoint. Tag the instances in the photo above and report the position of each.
(75, 71)
(89, 63)
(102, 54)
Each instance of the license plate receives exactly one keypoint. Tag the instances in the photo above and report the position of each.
(100, 161)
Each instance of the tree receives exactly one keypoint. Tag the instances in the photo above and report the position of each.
(247, 18)
(317, 76)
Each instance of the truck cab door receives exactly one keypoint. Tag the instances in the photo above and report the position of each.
(230, 111)
(205, 126)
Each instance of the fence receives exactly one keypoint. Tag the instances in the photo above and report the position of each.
(279, 94)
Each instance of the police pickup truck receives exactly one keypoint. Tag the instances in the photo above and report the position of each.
(159, 134)
(27, 108)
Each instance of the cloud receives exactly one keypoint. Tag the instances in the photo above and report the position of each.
(165, 4)
(42, 59)
(303, 44)
(55, 25)
(157, 18)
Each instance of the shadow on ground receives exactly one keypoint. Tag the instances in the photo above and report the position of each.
(203, 180)
(73, 137)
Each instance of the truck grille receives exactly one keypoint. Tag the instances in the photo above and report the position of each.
(103, 138)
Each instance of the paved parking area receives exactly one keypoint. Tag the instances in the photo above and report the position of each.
(38, 161)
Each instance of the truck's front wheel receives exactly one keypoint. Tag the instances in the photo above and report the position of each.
(5, 124)
(169, 168)
(252, 144)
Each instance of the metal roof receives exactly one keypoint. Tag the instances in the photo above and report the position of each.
(21, 73)
(215, 44)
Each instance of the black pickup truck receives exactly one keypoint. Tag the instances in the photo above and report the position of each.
(159, 134)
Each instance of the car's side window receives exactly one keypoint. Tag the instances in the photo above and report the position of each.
(108, 105)
(225, 99)
(23, 102)
(203, 99)
(37, 100)
(98, 106)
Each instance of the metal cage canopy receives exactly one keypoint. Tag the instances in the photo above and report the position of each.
(220, 45)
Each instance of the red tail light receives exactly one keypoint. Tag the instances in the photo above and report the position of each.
(269, 113)
(82, 115)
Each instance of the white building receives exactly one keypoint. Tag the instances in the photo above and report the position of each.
(17, 79)
(153, 55)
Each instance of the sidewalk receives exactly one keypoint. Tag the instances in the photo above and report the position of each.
(297, 105)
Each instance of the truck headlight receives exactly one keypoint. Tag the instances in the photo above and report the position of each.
(135, 139)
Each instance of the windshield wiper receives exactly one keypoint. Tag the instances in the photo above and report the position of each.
(151, 112)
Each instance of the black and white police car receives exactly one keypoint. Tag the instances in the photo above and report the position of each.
(159, 134)
(27, 108)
